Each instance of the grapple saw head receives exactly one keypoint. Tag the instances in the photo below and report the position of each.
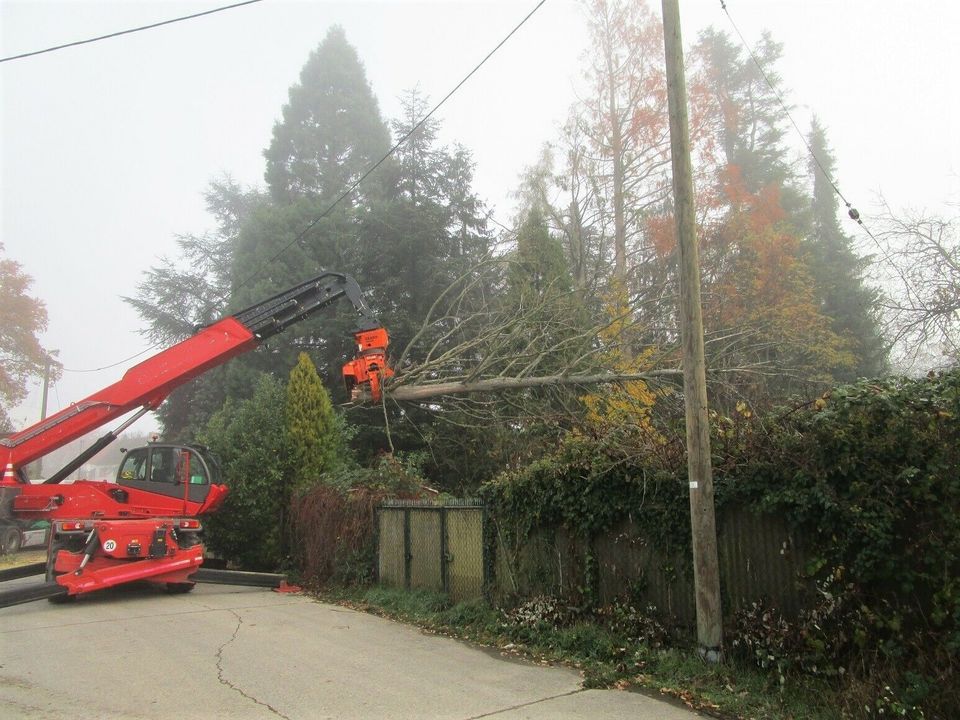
(367, 371)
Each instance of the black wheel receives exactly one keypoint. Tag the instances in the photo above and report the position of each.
(187, 539)
(180, 588)
(10, 540)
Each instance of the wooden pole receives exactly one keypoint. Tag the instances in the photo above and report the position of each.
(706, 572)
(43, 406)
(46, 390)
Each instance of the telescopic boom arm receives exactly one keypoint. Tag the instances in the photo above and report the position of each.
(147, 384)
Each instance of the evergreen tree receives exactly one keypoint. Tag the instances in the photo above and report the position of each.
(539, 269)
(749, 118)
(410, 229)
(430, 231)
(844, 296)
(417, 243)
(331, 130)
(316, 441)
(177, 295)
(417, 156)
(539, 294)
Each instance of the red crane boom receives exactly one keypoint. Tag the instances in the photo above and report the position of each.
(144, 525)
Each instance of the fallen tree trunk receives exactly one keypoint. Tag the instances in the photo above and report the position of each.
(501, 384)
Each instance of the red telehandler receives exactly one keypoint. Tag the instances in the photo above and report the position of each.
(145, 525)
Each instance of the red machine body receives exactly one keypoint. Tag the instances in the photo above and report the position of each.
(144, 526)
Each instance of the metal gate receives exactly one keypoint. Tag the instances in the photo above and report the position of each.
(431, 547)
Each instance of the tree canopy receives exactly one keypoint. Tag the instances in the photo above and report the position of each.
(585, 285)
(23, 318)
(331, 131)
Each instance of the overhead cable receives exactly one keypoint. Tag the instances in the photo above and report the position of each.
(851, 211)
(128, 31)
(352, 187)
(346, 193)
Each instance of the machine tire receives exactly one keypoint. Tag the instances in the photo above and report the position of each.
(10, 540)
(180, 588)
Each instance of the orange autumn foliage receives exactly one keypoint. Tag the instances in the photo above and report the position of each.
(763, 285)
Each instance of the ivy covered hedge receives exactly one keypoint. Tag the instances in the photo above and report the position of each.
(869, 475)
(873, 473)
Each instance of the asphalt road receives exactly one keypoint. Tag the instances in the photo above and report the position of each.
(232, 652)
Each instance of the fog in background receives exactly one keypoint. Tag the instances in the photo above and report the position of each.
(107, 148)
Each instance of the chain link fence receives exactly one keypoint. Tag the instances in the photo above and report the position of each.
(433, 547)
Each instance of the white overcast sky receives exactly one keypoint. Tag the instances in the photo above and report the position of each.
(107, 148)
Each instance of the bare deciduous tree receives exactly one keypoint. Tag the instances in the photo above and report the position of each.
(538, 357)
(921, 268)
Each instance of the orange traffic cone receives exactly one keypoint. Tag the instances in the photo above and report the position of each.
(286, 587)
(10, 475)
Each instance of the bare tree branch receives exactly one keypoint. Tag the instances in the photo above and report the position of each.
(921, 267)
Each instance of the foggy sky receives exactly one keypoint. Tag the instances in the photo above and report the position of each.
(107, 148)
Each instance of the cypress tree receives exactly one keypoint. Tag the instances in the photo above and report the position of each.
(316, 443)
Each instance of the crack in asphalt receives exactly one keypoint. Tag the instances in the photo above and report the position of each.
(527, 704)
(224, 681)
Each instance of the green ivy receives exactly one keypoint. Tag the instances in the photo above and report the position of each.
(868, 475)
(586, 487)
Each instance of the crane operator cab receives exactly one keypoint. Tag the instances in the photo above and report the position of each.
(178, 471)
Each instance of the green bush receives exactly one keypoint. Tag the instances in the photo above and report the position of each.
(251, 441)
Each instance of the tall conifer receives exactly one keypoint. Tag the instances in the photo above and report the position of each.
(845, 298)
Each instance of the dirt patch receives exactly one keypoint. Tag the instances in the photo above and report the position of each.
(27, 557)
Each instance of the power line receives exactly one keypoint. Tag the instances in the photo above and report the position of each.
(357, 182)
(128, 32)
(113, 365)
(851, 211)
(391, 151)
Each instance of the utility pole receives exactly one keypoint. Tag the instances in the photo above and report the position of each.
(706, 570)
(43, 406)
(46, 389)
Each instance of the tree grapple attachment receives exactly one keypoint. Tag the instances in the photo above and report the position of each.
(369, 368)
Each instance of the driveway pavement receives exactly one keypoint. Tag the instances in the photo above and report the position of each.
(232, 652)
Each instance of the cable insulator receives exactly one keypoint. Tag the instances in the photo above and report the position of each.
(854, 215)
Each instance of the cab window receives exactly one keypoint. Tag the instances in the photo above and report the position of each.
(163, 465)
(134, 466)
(166, 464)
(198, 474)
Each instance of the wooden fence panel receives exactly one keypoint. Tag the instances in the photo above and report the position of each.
(630, 566)
(760, 560)
(443, 549)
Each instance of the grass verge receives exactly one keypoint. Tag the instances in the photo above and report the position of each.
(606, 658)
